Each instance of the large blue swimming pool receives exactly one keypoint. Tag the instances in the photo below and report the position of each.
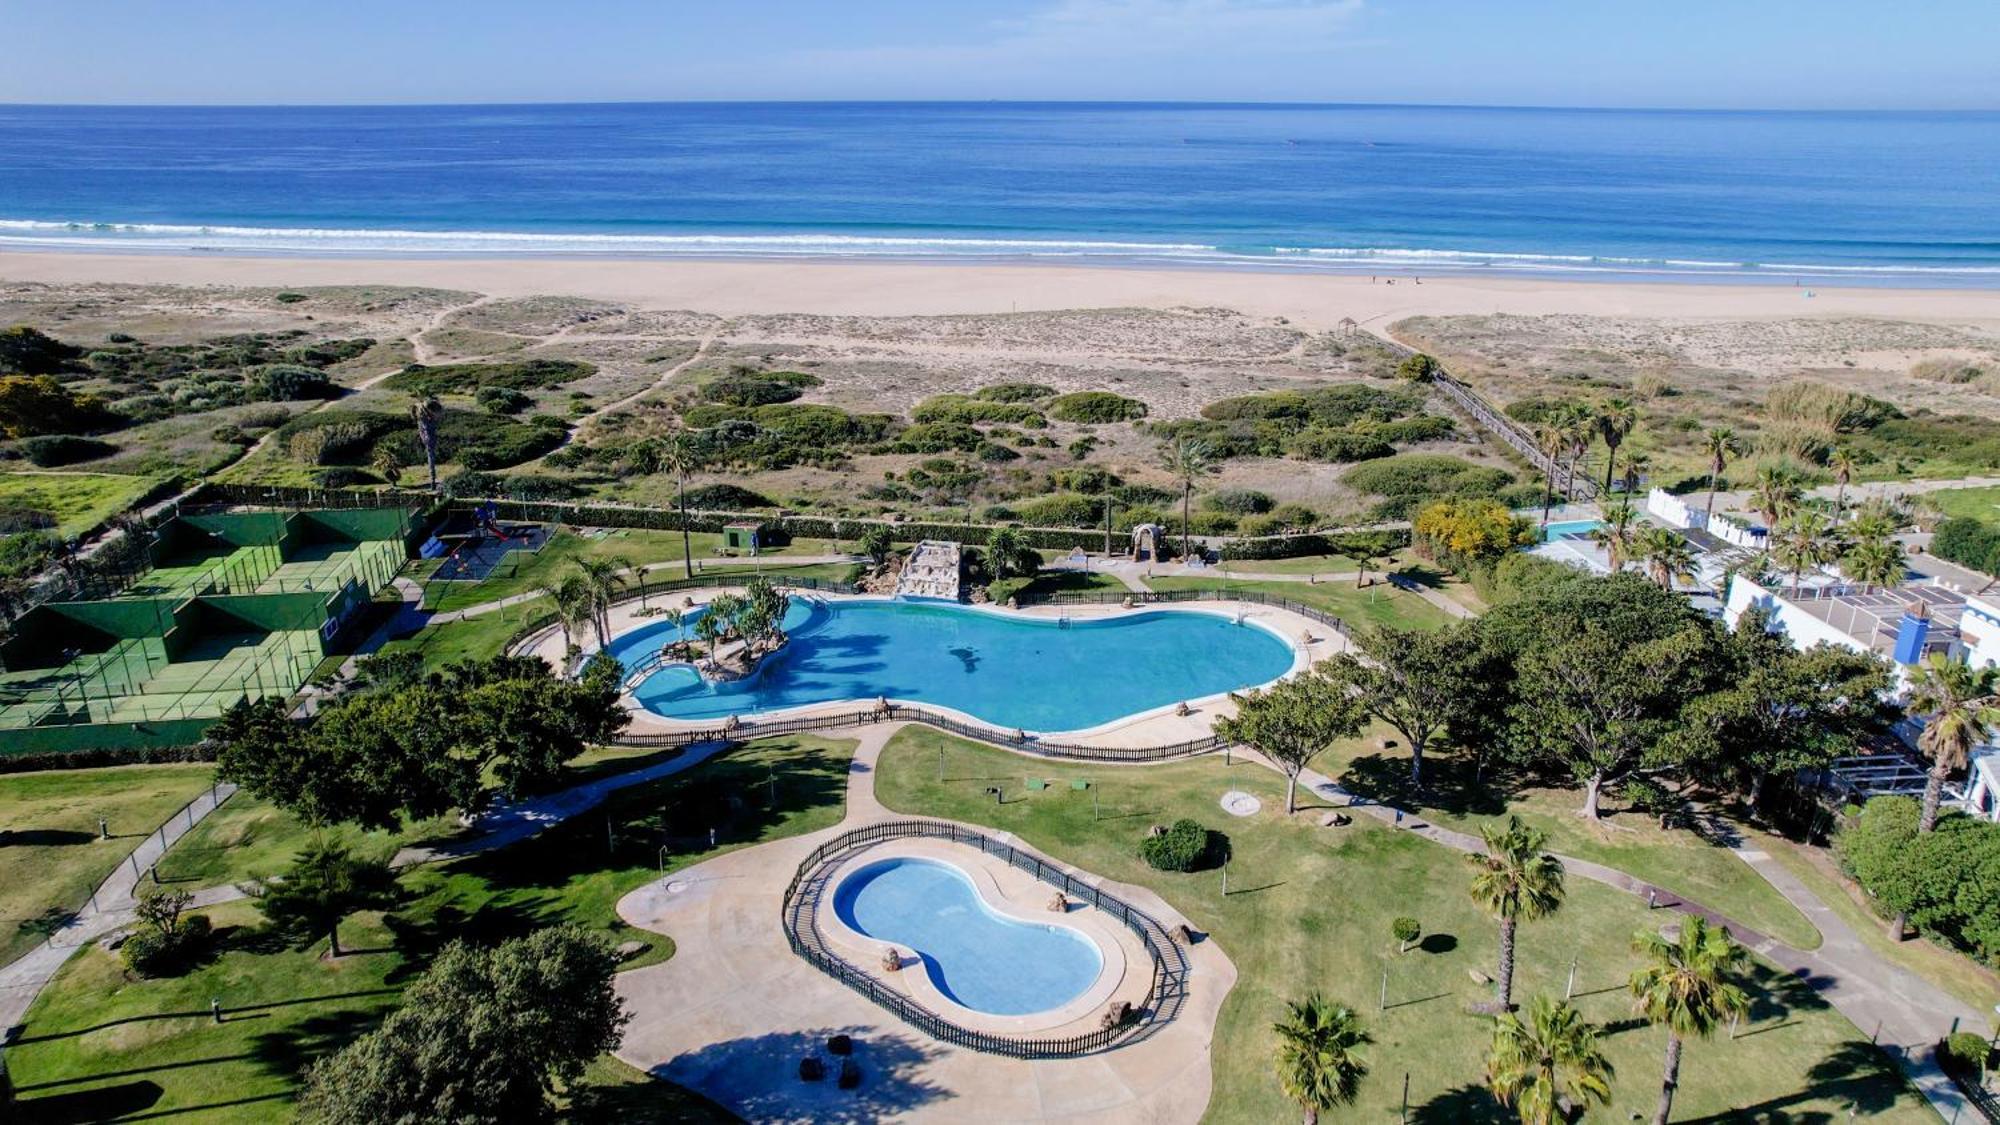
(1037, 674)
(976, 957)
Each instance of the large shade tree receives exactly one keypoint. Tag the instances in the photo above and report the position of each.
(1412, 679)
(1687, 986)
(1292, 721)
(324, 885)
(1515, 881)
(483, 1035)
(1318, 1057)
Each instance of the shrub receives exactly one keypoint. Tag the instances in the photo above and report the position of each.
(968, 410)
(757, 388)
(1945, 880)
(1419, 368)
(1184, 846)
(520, 375)
(1258, 526)
(1826, 409)
(1321, 444)
(726, 498)
(1062, 509)
(38, 404)
(1965, 1053)
(1968, 542)
(1014, 392)
(1096, 408)
(51, 450)
(31, 351)
(285, 382)
(1465, 534)
(264, 418)
(231, 435)
(939, 437)
(1405, 931)
(289, 298)
(994, 453)
(501, 400)
(167, 942)
(1422, 427)
(1241, 501)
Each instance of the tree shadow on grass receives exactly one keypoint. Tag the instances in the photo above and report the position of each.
(419, 938)
(1449, 786)
(102, 1104)
(1461, 1103)
(43, 837)
(1855, 1075)
(289, 1052)
(758, 1077)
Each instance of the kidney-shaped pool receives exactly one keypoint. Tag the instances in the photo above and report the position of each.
(1011, 670)
(976, 957)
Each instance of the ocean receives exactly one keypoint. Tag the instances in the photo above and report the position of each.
(1874, 198)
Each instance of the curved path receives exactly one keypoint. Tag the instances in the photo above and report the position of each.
(734, 1010)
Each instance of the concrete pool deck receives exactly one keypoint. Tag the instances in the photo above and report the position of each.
(1310, 641)
(734, 1010)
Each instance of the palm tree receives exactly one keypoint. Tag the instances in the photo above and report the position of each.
(428, 413)
(677, 617)
(1686, 987)
(1516, 881)
(1579, 426)
(1805, 540)
(1878, 520)
(1776, 493)
(1615, 419)
(1551, 1057)
(1318, 1066)
(1187, 460)
(1551, 441)
(1718, 445)
(1963, 708)
(602, 576)
(677, 455)
(1618, 534)
(1636, 467)
(1841, 464)
(573, 606)
(1668, 557)
(1875, 563)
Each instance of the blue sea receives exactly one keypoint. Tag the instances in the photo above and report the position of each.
(1895, 198)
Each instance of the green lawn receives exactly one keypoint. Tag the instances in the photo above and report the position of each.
(50, 856)
(1310, 564)
(1678, 859)
(78, 501)
(1377, 604)
(1053, 582)
(1310, 909)
(1978, 503)
(249, 839)
(522, 571)
(97, 1045)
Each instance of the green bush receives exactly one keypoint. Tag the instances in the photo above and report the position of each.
(726, 497)
(1947, 880)
(1096, 408)
(1184, 846)
(1014, 392)
(166, 953)
(994, 453)
(939, 437)
(520, 375)
(501, 400)
(1341, 405)
(967, 410)
(1340, 446)
(289, 382)
(1964, 1053)
(51, 450)
(1423, 427)
(1968, 542)
(1241, 501)
(1405, 931)
(757, 388)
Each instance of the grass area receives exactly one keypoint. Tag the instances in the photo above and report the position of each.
(1977, 503)
(1310, 908)
(1679, 859)
(97, 1044)
(77, 501)
(1947, 968)
(1052, 582)
(251, 839)
(50, 854)
(522, 571)
(1310, 564)
(1378, 604)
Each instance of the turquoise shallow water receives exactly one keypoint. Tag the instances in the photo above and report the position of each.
(974, 956)
(1032, 673)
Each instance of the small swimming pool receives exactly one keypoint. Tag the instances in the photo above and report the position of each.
(976, 957)
(1011, 670)
(1562, 528)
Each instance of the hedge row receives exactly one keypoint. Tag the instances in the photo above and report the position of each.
(795, 526)
(93, 759)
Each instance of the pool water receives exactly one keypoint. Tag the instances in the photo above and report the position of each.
(977, 958)
(1561, 528)
(1033, 673)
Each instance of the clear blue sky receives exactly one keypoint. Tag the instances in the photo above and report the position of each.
(1697, 53)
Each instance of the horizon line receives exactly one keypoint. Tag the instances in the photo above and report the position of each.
(1136, 103)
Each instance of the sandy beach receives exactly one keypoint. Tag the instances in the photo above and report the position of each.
(846, 288)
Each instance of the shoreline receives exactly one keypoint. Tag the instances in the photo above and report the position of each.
(853, 287)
